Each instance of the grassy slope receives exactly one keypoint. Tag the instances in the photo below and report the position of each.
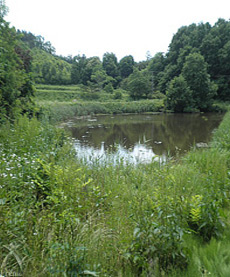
(63, 102)
(59, 217)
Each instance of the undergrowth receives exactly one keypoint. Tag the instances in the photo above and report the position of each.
(60, 217)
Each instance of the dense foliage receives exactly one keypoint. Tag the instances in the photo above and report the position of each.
(16, 87)
(192, 90)
(212, 44)
(201, 50)
(46, 66)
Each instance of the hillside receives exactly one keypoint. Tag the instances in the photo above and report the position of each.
(50, 69)
(194, 72)
(47, 67)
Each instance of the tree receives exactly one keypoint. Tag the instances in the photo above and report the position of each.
(166, 76)
(223, 77)
(157, 63)
(78, 75)
(196, 75)
(93, 64)
(179, 96)
(99, 78)
(191, 35)
(139, 85)
(193, 89)
(110, 64)
(126, 65)
(156, 67)
(16, 87)
(109, 88)
(3, 9)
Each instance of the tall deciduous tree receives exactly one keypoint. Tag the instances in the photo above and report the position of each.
(179, 96)
(156, 67)
(78, 75)
(139, 85)
(193, 88)
(110, 64)
(196, 75)
(126, 65)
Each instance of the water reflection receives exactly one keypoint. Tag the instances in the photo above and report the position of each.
(140, 153)
(141, 138)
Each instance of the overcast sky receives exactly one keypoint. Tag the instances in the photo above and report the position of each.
(124, 27)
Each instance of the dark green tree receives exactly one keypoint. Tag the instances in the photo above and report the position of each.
(193, 89)
(92, 65)
(99, 78)
(191, 35)
(196, 75)
(166, 76)
(78, 71)
(139, 85)
(179, 96)
(109, 88)
(156, 67)
(126, 65)
(209, 49)
(16, 87)
(223, 78)
(110, 65)
(211, 42)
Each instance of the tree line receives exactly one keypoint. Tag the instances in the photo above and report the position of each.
(190, 76)
(194, 71)
(196, 68)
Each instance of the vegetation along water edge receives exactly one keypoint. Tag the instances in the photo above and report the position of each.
(61, 217)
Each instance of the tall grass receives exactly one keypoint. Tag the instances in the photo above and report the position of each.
(57, 111)
(63, 102)
(60, 217)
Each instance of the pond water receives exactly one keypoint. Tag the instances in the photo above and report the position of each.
(140, 138)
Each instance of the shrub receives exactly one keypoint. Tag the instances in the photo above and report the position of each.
(157, 244)
(204, 217)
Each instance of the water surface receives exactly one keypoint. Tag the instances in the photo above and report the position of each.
(141, 138)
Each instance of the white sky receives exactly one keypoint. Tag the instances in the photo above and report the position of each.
(124, 27)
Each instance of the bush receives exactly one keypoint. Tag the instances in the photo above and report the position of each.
(157, 245)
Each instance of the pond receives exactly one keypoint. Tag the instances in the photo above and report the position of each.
(140, 138)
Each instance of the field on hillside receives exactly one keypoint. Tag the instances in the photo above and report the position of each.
(63, 102)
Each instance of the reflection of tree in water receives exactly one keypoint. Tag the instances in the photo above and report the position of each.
(118, 135)
(184, 130)
(160, 132)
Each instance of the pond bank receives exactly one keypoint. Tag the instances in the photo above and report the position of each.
(59, 216)
(56, 111)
